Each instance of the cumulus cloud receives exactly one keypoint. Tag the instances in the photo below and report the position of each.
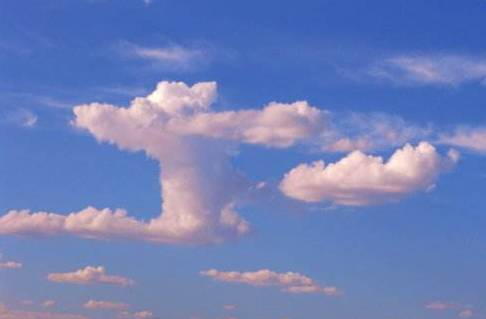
(465, 311)
(291, 282)
(359, 179)
(440, 305)
(470, 138)
(90, 275)
(105, 305)
(230, 307)
(144, 314)
(10, 265)
(176, 126)
(6, 313)
(431, 69)
(48, 303)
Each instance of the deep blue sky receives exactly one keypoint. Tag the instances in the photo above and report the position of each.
(390, 259)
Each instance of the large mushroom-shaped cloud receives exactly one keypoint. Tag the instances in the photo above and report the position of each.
(176, 126)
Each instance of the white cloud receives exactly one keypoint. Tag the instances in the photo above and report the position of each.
(172, 56)
(440, 305)
(48, 303)
(291, 282)
(359, 179)
(176, 126)
(431, 69)
(230, 307)
(105, 305)
(368, 131)
(466, 313)
(90, 275)
(6, 313)
(20, 117)
(10, 265)
(470, 138)
(144, 314)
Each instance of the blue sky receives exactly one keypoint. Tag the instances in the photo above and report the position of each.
(312, 159)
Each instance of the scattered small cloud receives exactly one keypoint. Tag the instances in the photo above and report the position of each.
(290, 282)
(19, 117)
(230, 307)
(431, 69)
(106, 305)
(9, 264)
(48, 303)
(144, 314)
(464, 311)
(7, 313)
(173, 57)
(90, 275)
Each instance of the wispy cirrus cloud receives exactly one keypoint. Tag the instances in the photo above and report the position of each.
(19, 117)
(171, 56)
(471, 138)
(90, 275)
(290, 282)
(7, 313)
(430, 69)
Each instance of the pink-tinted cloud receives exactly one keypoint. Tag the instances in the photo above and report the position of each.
(10, 265)
(359, 179)
(105, 305)
(144, 314)
(90, 275)
(48, 303)
(176, 126)
(291, 282)
(6, 313)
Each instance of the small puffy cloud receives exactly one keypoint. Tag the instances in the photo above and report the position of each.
(144, 314)
(466, 313)
(10, 265)
(90, 275)
(473, 139)
(290, 282)
(431, 69)
(230, 307)
(48, 303)
(359, 179)
(440, 305)
(464, 310)
(6, 313)
(105, 305)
